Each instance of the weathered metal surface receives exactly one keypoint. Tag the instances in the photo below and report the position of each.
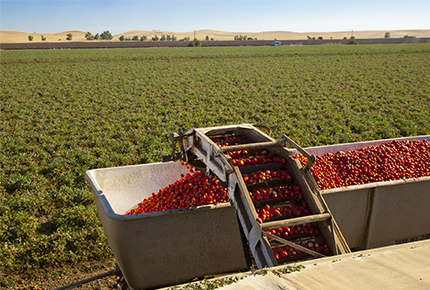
(218, 162)
(380, 213)
(169, 247)
(394, 267)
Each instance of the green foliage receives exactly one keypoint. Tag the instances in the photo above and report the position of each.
(287, 270)
(155, 38)
(195, 42)
(353, 41)
(63, 112)
(69, 36)
(387, 35)
(106, 35)
(121, 38)
(43, 38)
(135, 38)
(90, 36)
(208, 284)
(30, 38)
(242, 37)
(143, 38)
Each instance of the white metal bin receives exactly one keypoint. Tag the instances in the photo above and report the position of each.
(169, 247)
(380, 213)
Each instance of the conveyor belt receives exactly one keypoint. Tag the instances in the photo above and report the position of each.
(281, 211)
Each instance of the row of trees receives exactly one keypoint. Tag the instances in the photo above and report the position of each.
(30, 38)
(194, 42)
(104, 35)
(155, 38)
(240, 37)
(107, 36)
(163, 38)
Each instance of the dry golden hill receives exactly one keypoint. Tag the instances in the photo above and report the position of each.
(11, 36)
(271, 35)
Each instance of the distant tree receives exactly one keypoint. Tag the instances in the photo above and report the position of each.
(387, 35)
(309, 37)
(320, 38)
(135, 37)
(30, 38)
(155, 38)
(89, 36)
(242, 37)
(207, 37)
(69, 36)
(352, 37)
(121, 38)
(353, 41)
(197, 42)
(143, 38)
(43, 38)
(106, 35)
(345, 37)
(174, 38)
(163, 37)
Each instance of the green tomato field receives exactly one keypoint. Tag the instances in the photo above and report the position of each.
(63, 112)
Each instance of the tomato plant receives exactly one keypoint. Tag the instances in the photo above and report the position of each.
(63, 112)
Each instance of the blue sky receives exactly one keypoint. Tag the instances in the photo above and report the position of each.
(119, 16)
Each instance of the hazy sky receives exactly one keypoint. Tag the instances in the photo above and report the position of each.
(119, 16)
